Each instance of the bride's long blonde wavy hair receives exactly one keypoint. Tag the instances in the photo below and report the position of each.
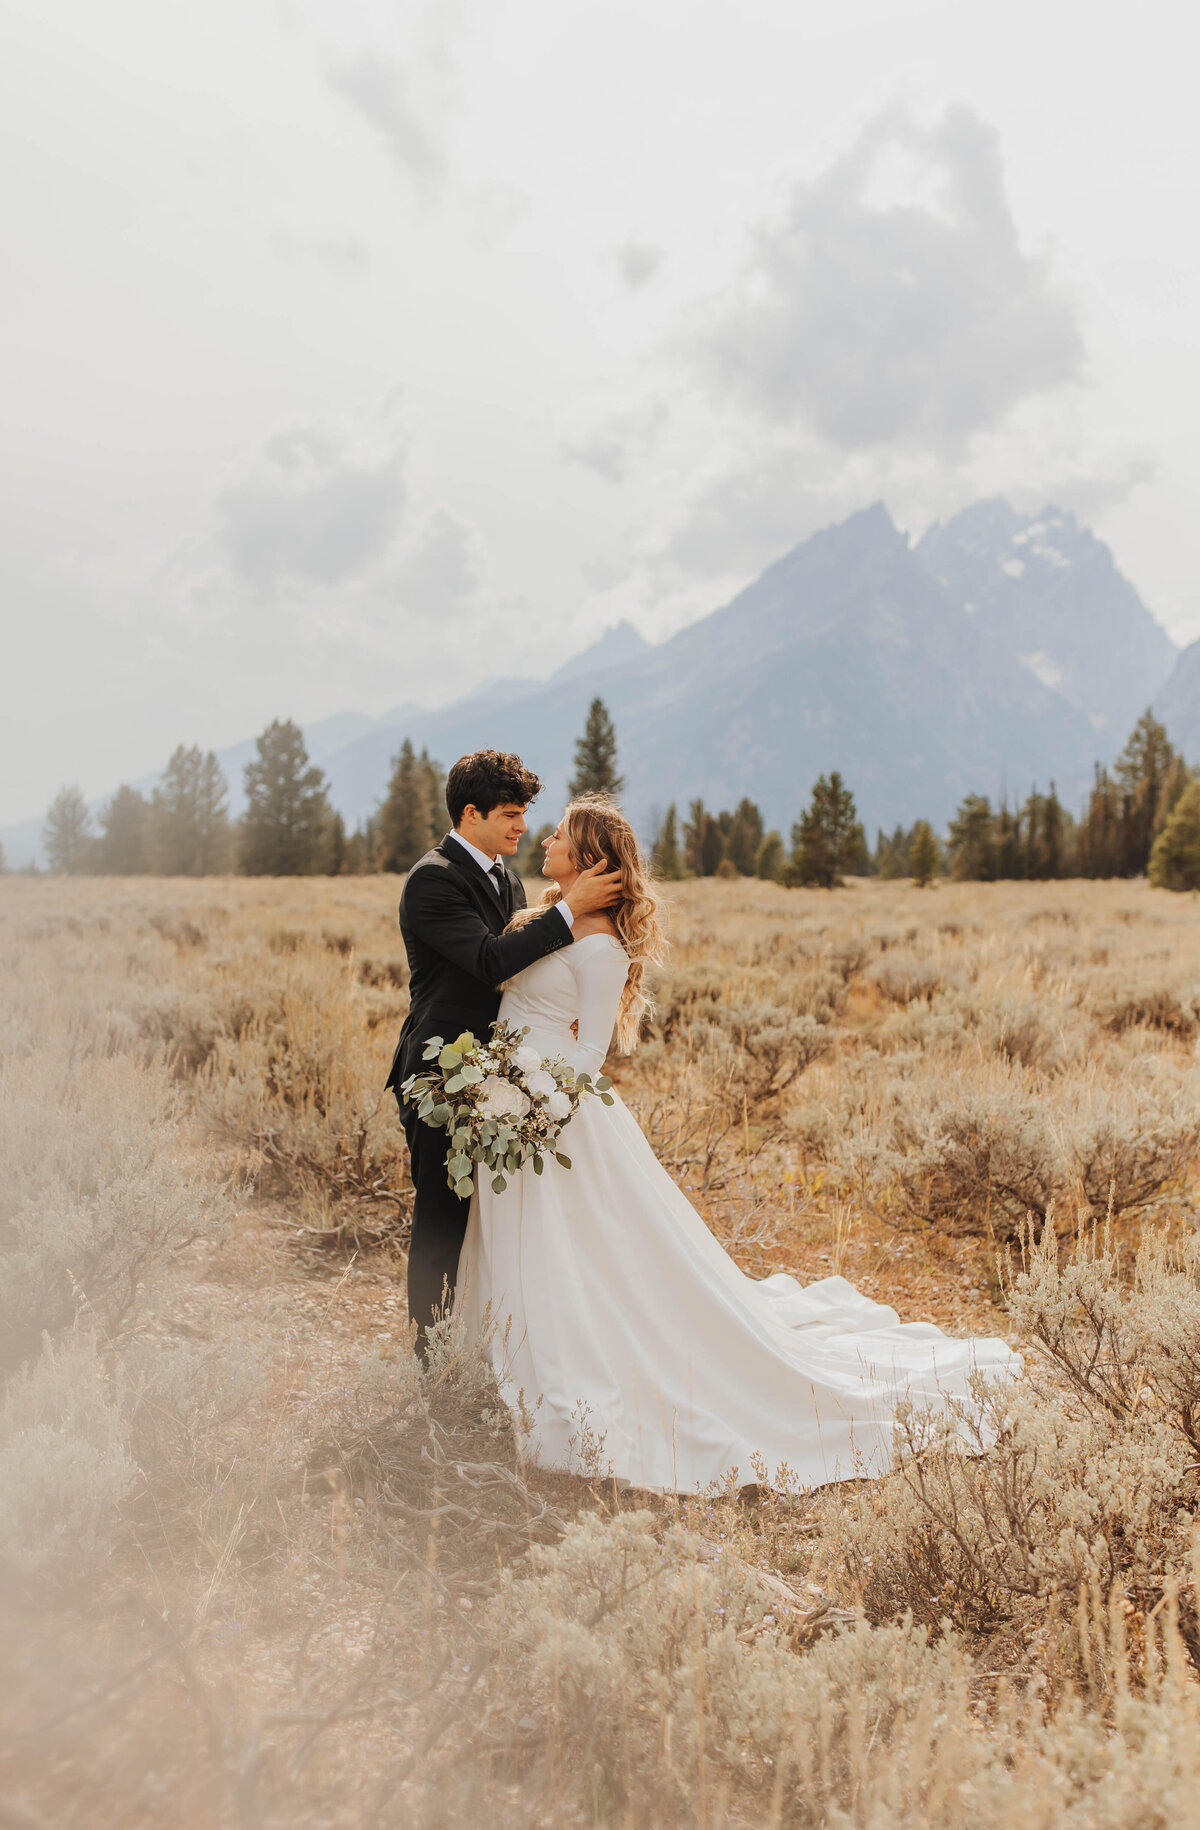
(595, 828)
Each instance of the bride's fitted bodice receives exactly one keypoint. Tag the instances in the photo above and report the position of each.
(581, 983)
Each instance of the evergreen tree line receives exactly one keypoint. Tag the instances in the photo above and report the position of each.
(288, 829)
(826, 841)
(1142, 817)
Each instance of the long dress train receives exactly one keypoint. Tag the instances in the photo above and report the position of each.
(626, 1321)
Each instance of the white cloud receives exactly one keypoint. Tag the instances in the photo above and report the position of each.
(439, 575)
(382, 92)
(314, 515)
(891, 303)
(637, 262)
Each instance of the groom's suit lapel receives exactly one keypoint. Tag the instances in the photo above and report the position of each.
(469, 874)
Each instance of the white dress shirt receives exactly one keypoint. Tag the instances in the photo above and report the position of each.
(485, 864)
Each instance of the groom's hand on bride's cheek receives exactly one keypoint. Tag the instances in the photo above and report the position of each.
(595, 888)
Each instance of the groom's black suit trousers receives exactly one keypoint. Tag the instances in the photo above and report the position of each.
(452, 921)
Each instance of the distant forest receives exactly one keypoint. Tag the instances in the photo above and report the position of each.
(1142, 818)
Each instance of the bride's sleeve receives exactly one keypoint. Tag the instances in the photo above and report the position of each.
(600, 974)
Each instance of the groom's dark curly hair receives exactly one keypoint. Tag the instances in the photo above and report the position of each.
(487, 779)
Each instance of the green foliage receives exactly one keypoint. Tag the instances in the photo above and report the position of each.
(827, 838)
(409, 817)
(925, 853)
(67, 834)
(500, 1104)
(712, 840)
(361, 847)
(771, 858)
(973, 841)
(907, 854)
(743, 836)
(1129, 808)
(665, 855)
(596, 756)
(284, 827)
(1036, 842)
(1175, 859)
(123, 849)
(336, 843)
(190, 834)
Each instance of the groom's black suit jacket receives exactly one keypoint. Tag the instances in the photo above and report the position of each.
(452, 921)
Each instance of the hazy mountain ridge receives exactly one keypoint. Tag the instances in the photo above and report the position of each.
(998, 652)
(1178, 704)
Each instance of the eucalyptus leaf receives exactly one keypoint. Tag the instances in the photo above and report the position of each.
(537, 1165)
(464, 1186)
(455, 1084)
(440, 1114)
(471, 1073)
(498, 1185)
(607, 1099)
(564, 1160)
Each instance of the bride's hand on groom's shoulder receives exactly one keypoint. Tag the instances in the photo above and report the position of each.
(594, 889)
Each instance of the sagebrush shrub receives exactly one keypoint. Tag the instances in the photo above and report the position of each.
(97, 1195)
(65, 1464)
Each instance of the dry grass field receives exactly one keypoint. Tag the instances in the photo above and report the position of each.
(256, 1571)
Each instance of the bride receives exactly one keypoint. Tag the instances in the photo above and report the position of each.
(607, 1305)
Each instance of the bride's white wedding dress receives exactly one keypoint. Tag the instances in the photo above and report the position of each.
(622, 1311)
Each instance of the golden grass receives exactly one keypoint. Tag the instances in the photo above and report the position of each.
(271, 1639)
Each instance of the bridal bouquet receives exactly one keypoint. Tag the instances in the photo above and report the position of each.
(501, 1103)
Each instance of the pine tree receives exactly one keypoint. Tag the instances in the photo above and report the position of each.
(743, 838)
(189, 822)
(407, 816)
(693, 838)
(123, 849)
(827, 838)
(1098, 846)
(665, 856)
(771, 857)
(67, 833)
(973, 841)
(360, 847)
(283, 828)
(1142, 772)
(1175, 859)
(596, 756)
(925, 854)
(336, 846)
(891, 859)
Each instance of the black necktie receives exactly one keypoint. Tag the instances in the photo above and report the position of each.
(498, 878)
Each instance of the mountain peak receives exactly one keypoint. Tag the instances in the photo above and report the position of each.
(1041, 587)
(621, 642)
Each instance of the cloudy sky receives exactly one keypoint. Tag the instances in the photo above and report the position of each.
(356, 351)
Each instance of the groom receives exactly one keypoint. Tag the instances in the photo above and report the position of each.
(455, 905)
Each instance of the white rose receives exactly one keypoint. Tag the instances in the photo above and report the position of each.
(540, 1084)
(498, 1098)
(527, 1059)
(558, 1105)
